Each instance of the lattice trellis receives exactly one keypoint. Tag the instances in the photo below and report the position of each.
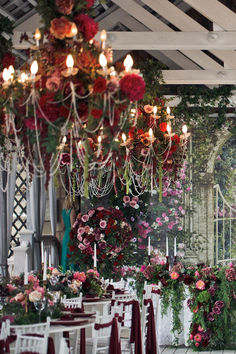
(19, 211)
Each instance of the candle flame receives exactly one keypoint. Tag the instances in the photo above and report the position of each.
(37, 34)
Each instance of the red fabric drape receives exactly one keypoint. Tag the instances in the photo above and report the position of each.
(151, 343)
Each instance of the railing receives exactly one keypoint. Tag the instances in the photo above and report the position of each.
(224, 229)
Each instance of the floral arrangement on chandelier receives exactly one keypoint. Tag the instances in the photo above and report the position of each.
(100, 238)
(67, 102)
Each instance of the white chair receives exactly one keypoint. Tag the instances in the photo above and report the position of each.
(25, 343)
(63, 347)
(118, 284)
(41, 329)
(123, 297)
(73, 303)
(5, 330)
(101, 335)
(151, 292)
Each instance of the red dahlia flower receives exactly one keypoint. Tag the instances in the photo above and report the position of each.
(133, 86)
(87, 26)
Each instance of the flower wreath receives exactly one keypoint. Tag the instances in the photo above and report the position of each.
(112, 234)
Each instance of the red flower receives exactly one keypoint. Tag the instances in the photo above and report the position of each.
(89, 3)
(65, 159)
(133, 86)
(87, 26)
(65, 6)
(96, 113)
(99, 85)
(61, 28)
(163, 126)
(72, 248)
(176, 139)
(8, 60)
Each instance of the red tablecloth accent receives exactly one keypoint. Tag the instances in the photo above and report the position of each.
(151, 343)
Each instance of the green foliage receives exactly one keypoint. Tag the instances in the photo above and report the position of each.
(152, 74)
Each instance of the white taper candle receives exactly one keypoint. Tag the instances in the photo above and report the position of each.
(149, 246)
(175, 247)
(95, 256)
(45, 266)
(26, 269)
(42, 260)
(167, 247)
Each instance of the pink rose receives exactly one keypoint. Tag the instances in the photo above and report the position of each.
(198, 337)
(103, 224)
(148, 108)
(126, 199)
(85, 218)
(11, 287)
(91, 213)
(53, 83)
(174, 275)
(132, 203)
(81, 231)
(200, 285)
(79, 276)
(143, 267)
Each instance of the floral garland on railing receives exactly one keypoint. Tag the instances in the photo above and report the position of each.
(211, 293)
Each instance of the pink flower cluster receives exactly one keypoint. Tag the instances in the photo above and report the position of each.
(131, 202)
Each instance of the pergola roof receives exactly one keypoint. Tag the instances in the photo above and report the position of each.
(194, 39)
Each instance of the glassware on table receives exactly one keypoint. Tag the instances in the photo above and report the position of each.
(39, 306)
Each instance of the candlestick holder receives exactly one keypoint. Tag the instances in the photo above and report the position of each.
(167, 263)
(149, 259)
(95, 269)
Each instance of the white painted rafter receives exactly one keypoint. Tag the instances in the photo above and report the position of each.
(155, 25)
(199, 77)
(215, 11)
(172, 40)
(185, 23)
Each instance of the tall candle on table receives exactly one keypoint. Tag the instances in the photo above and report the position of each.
(26, 269)
(149, 246)
(42, 260)
(167, 247)
(175, 247)
(95, 256)
(50, 259)
(45, 266)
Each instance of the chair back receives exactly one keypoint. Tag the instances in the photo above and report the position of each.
(73, 303)
(123, 297)
(102, 332)
(37, 328)
(5, 330)
(63, 347)
(25, 343)
(152, 292)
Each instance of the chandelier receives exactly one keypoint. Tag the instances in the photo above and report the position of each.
(68, 111)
